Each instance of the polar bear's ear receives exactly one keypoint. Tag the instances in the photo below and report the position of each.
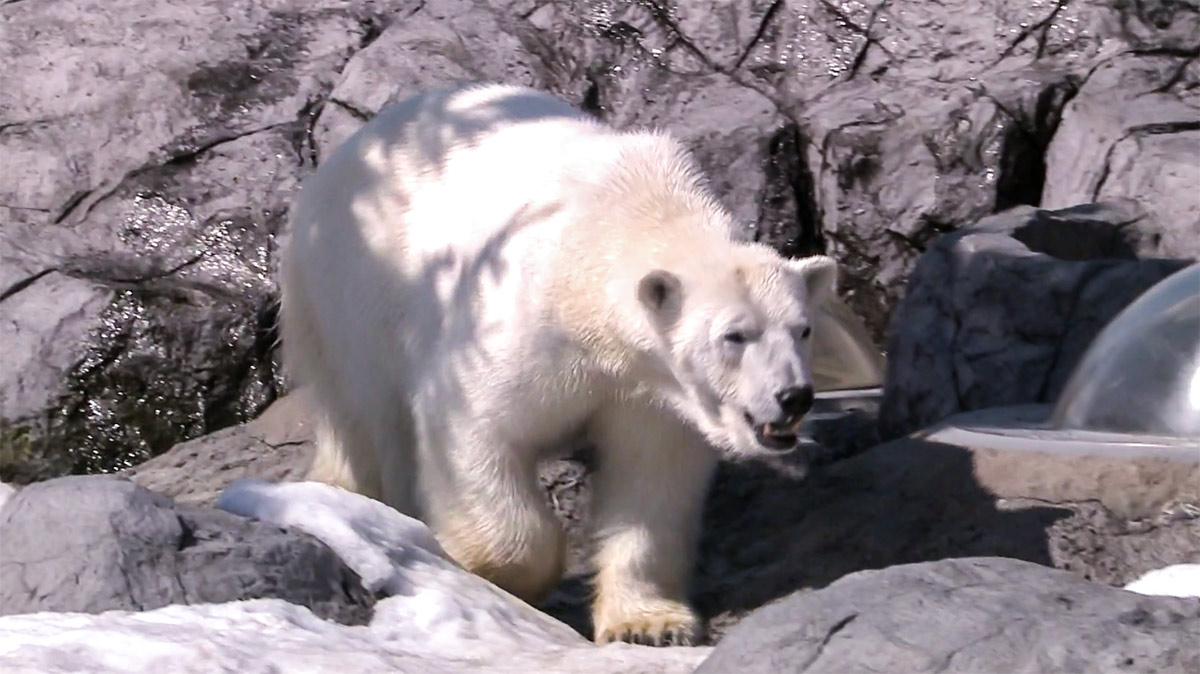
(661, 293)
(820, 275)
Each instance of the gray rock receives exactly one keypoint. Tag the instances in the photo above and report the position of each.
(964, 615)
(97, 543)
(840, 127)
(1000, 312)
(277, 445)
(769, 532)
(1133, 131)
(147, 180)
(773, 527)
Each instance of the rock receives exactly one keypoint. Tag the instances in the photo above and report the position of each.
(1000, 312)
(887, 140)
(964, 615)
(91, 544)
(276, 445)
(1133, 131)
(432, 615)
(851, 129)
(776, 526)
(145, 183)
(769, 533)
(149, 180)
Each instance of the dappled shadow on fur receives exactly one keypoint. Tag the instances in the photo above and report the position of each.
(466, 125)
(770, 531)
(436, 342)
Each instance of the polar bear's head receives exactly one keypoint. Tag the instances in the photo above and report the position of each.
(738, 338)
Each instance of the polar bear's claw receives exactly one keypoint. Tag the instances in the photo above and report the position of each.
(671, 626)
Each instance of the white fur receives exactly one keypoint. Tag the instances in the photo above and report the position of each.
(483, 272)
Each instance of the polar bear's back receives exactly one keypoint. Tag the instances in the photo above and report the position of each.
(443, 215)
(464, 164)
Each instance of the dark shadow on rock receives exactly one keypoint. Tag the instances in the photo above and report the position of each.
(1084, 232)
(770, 530)
(769, 534)
(1000, 313)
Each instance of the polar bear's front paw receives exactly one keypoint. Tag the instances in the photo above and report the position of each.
(666, 624)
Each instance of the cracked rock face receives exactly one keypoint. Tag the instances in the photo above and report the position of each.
(151, 153)
(1000, 312)
(115, 545)
(1132, 131)
(964, 615)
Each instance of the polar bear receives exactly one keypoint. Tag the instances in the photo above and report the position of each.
(481, 274)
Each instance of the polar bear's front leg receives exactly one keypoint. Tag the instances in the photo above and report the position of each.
(489, 514)
(648, 500)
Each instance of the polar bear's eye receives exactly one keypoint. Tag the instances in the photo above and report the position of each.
(735, 337)
(806, 332)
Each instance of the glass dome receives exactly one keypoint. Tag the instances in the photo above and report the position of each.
(844, 355)
(1141, 374)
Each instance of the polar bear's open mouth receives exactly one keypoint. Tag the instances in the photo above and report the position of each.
(778, 437)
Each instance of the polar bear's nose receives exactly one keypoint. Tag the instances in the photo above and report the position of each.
(795, 401)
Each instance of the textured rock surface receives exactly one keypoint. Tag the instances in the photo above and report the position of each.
(964, 615)
(776, 527)
(1000, 312)
(98, 543)
(1134, 130)
(432, 616)
(276, 446)
(146, 180)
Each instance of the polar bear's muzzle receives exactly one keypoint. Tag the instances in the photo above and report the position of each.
(782, 434)
(779, 437)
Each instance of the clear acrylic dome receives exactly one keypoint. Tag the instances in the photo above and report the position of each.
(1141, 375)
(844, 356)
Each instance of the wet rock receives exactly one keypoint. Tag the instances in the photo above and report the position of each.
(97, 543)
(964, 615)
(145, 183)
(153, 177)
(1000, 312)
(277, 445)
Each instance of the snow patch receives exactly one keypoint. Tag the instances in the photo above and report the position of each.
(434, 604)
(435, 617)
(6, 493)
(375, 540)
(1177, 580)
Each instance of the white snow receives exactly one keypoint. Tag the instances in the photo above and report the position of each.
(437, 618)
(6, 492)
(1177, 580)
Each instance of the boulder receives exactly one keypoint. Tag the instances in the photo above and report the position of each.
(145, 182)
(1105, 519)
(92, 544)
(775, 526)
(431, 618)
(276, 445)
(1000, 312)
(148, 180)
(964, 615)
